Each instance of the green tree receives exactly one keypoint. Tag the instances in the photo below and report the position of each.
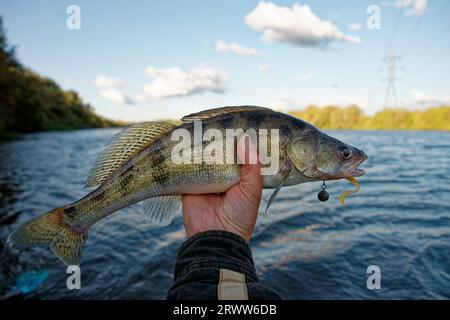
(30, 102)
(333, 117)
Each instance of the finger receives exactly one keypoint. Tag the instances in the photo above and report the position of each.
(251, 179)
(247, 152)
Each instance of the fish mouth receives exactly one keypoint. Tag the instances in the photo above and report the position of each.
(357, 172)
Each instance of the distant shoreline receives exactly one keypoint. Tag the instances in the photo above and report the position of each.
(11, 136)
(353, 118)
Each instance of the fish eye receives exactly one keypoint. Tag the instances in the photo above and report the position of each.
(345, 152)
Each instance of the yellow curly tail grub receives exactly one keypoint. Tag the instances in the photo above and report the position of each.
(346, 193)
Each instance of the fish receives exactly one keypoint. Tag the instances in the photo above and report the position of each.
(138, 166)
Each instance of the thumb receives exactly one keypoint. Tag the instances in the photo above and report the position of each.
(251, 179)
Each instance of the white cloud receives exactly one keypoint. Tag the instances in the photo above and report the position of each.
(115, 95)
(110, 89)
(103, 81)
(296, 26)
(236, 48)
(420, 99)
(175, 82)
(412, 7)
(418, 96)
(354, 26)
(264, 68)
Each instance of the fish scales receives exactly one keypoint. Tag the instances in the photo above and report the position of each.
(153, 173)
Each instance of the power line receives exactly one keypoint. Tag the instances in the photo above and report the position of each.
(394, 30)
(391, 65)
(391, 60)
(414, 32)
(441, 49)
(419, 23)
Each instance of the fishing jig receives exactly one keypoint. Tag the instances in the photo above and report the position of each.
(323, 194)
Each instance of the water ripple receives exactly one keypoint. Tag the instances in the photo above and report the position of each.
(304, 249)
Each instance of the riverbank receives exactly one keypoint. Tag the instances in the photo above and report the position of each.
(353, 118)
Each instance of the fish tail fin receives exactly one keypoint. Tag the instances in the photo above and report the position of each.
(50, 229)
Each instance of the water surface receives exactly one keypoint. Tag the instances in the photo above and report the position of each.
(304, 249)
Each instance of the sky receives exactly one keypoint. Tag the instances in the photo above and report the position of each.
(146, 60)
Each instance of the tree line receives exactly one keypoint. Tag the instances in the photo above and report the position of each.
(30, 102)
(352, 117)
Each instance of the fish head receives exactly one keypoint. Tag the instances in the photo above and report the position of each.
(317, 156)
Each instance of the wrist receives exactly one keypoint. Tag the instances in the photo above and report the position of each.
(191, 232)
(215, 249)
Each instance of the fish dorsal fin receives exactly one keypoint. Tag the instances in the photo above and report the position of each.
(206, 114)
(125, 145)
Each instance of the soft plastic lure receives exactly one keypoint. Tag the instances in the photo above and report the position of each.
(346, 193)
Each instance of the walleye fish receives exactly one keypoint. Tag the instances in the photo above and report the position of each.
(138, 166)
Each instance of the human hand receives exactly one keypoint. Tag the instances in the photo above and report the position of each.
(235, 210)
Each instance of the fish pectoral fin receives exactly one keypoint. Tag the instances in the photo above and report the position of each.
(284, 172)
(161, 210)
(124, 146)
(273, 196)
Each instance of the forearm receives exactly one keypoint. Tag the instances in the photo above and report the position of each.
(217, 265)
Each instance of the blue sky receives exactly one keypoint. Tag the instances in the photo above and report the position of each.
(142, 60)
